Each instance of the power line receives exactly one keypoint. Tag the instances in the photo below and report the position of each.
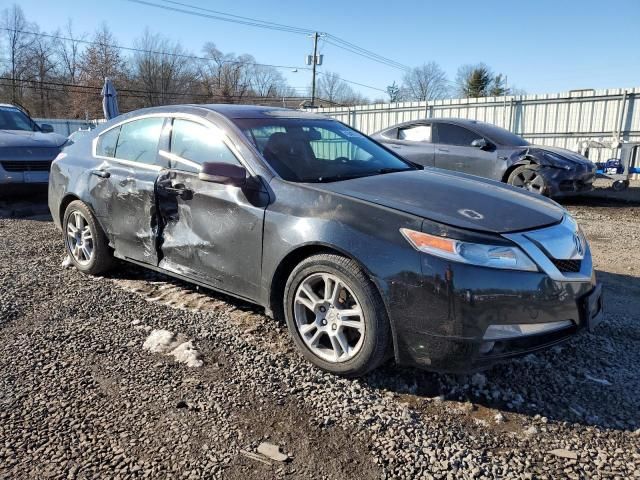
(253, 22)
(134, 93)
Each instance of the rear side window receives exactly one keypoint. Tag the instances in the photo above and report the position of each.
(138, 140)
(416, 133)
(449, 134)
(107, 143)
(192, 144)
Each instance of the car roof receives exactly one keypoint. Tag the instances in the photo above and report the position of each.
(231, 111)
(455, 121)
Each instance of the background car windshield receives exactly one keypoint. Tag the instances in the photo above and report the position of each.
(14, 119)
(303, 150)
(501, 136)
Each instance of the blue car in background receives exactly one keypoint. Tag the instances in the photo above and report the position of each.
(26, 148)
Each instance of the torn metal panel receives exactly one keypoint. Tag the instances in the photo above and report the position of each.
(214, 232)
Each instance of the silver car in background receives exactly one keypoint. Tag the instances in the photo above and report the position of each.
(26, 148)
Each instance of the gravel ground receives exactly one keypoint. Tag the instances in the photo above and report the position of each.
(81, 398)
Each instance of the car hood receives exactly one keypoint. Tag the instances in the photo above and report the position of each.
(455, 199)
(20, 138)
(568, 156)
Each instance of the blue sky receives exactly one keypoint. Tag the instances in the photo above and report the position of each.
(543, 46)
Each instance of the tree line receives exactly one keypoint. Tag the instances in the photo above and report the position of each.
(61, 73)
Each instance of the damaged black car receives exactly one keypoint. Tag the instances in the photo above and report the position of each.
(483, 149)
(365, 255)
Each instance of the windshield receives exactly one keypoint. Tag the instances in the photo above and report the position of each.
(14, 119)
(501, 136)
(310, 150)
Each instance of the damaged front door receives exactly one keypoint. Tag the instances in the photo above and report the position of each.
(208, 231)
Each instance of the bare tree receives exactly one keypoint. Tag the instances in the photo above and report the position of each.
(162, 70)
(267, 82)
(42, 70)
(101, 59)
(225, 77)
(332, 88)
(15, 27)
(426, 82)
(69, 52)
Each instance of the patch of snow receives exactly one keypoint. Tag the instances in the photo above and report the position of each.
(189, 355)
(167, 343)
(66, 263)
(160, 341)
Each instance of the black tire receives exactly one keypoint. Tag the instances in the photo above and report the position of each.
(102, 257)
(529, 178)
(377, 337)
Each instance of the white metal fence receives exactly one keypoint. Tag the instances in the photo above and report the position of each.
(561, 119)
(66, 127)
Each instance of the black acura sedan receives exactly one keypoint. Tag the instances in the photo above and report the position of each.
(483, 149)
(365, 255)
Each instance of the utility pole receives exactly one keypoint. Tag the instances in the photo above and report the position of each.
(314, 60)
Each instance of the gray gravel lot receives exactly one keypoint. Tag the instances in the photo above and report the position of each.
(80, 398)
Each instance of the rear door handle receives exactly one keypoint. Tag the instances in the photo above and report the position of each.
(443, 149)
(100, 173)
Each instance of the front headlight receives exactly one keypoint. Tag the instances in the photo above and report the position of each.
(492, 256)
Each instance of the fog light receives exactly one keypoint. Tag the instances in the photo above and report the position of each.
(501, 332)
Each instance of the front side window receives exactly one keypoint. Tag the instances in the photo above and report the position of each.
(449, 134)
(192, 144)
(317, 150)
(415, 133)
(14, 119)
(138, 140)
(106, 146)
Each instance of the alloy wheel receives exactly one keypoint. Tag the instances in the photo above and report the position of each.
(79, 238)
(530, 180)
(329, 317)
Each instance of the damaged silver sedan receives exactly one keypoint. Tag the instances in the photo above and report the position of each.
(483, 149)
(364, 254)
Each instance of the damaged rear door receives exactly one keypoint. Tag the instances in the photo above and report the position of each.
(124, 190)
(209, 231)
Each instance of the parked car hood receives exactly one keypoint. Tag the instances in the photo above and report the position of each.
(455, 199)
(21, 138)
(572, 158)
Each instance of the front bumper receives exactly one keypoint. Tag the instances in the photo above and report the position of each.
(562, 182)
(441, 323)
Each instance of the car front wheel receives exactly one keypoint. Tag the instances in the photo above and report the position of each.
(335, 315)
(529, 178)
(85, 242)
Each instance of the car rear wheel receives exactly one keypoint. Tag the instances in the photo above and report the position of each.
(335, 315)
(85, 241)
(528, 177)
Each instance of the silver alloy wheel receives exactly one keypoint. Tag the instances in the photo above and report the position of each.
(529, 180)
(79, 238)
(329, 317)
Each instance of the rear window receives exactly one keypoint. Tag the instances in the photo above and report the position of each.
(138, 140)
(107, 143)
(415, 133)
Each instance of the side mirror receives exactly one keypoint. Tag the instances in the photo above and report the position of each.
(223, 173)
(46, 128)
(480, 143)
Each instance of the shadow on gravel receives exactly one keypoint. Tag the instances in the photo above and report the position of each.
(24, 202)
